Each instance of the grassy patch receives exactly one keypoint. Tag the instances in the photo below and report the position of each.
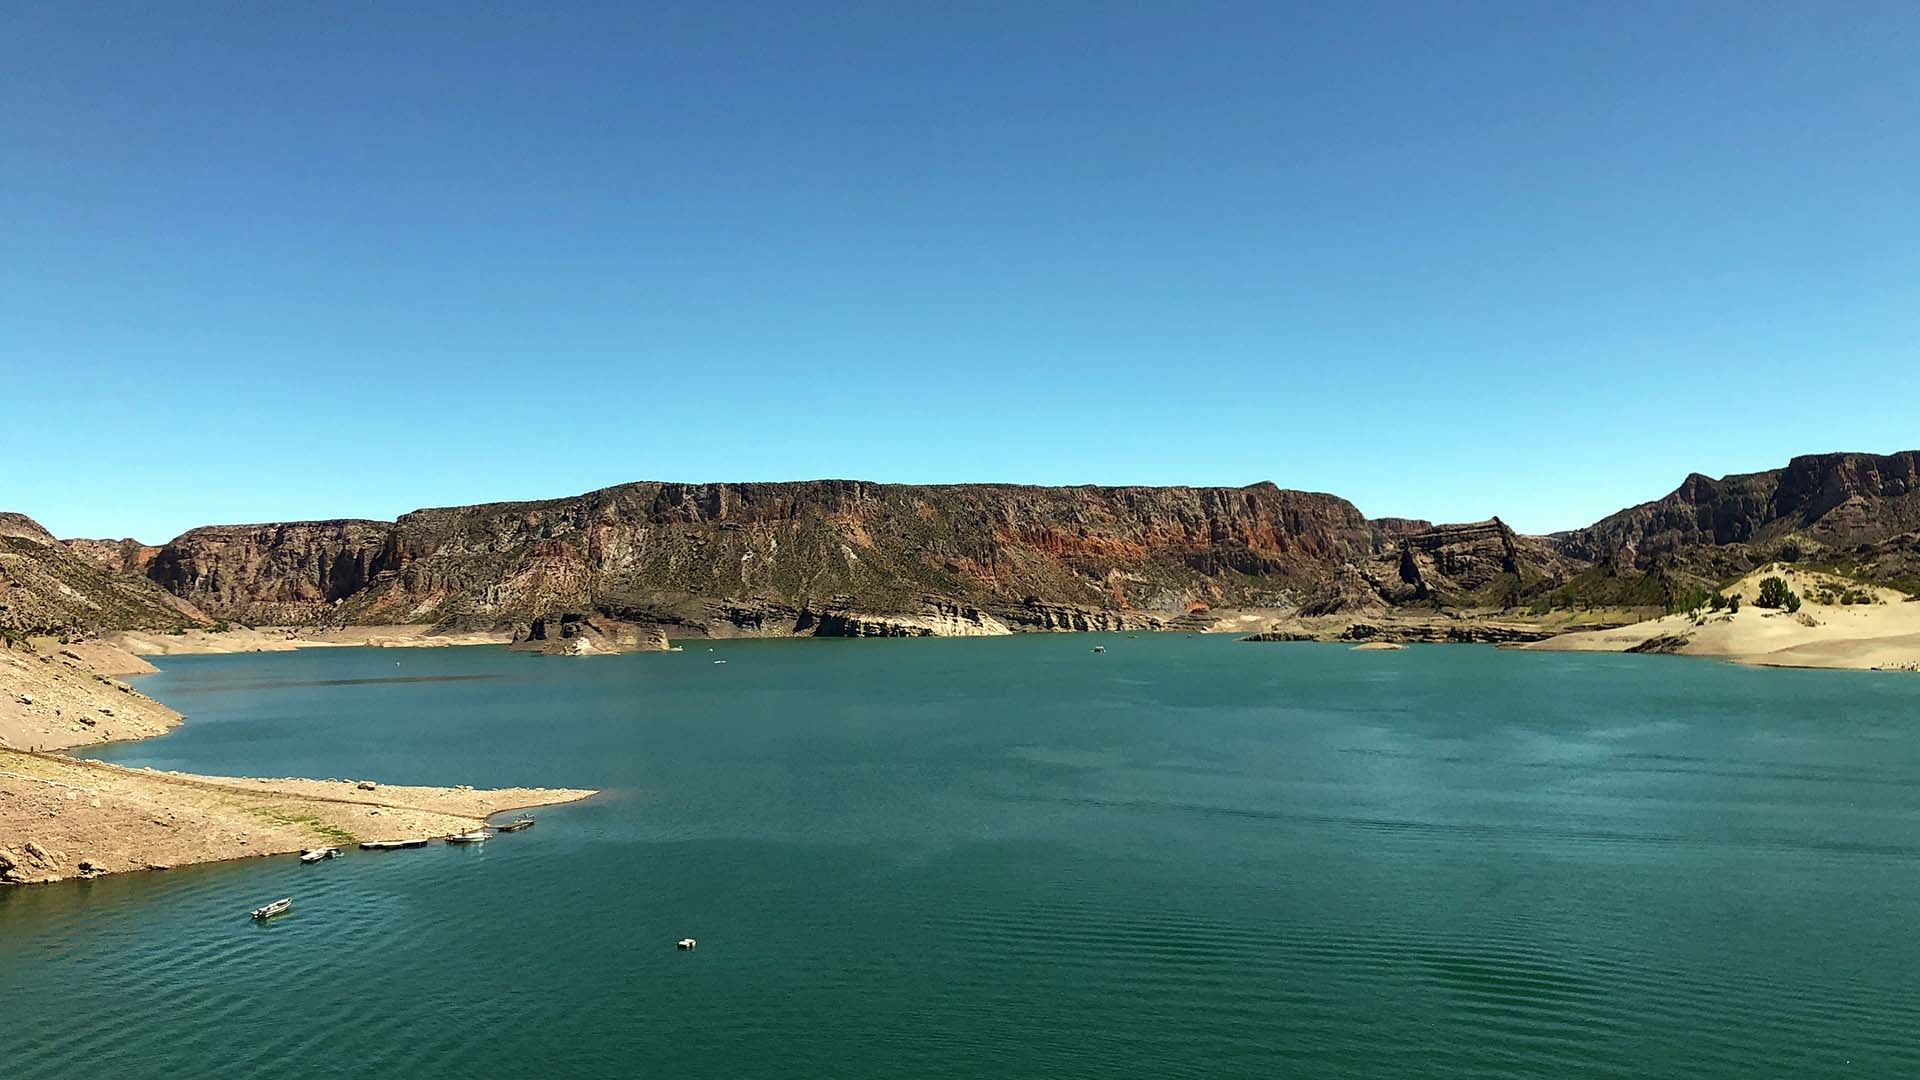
(282, 816)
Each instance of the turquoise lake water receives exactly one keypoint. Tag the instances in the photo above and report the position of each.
(1185, 857)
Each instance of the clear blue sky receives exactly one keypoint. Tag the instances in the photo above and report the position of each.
(1449, 260)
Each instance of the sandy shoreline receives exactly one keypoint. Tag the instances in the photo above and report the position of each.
(241, 639)
(1883, 635)
(63, 817)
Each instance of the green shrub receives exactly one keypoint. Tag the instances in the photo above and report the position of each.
(1774, 593)
(1733, 604)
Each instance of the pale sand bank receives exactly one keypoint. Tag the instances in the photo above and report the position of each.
(63, 817)
(282, 638)
(58, 812)
(1883, 635)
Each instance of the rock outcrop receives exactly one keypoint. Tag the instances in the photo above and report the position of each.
(285, 573)
(585, 634)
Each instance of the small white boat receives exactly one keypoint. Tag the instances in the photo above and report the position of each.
(686, 943)
(314, 855)
(475, 837)
(275, 908)
(1099, 648)
(516, 825)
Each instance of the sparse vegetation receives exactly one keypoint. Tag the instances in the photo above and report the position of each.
(332, 833)
(1775, 593)
(1691, 601)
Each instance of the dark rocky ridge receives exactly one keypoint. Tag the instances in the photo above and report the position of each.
(1838, 500)
(1859, 512)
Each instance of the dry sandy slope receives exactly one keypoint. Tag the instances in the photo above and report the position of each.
(1884, 635)
(50, 700)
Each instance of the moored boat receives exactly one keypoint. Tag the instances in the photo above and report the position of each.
(275, 908)
(391, 845)
(516, 825)
(474, 837)
(314, 855)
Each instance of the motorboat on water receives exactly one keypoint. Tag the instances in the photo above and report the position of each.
(474, 837)
(685, 943)
(516, 825)
(275, 908)
(314, 855)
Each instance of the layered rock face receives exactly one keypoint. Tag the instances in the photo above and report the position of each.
(292, 572)
(759, 556)
(933, 620)
(1834, 500)
(1483, 564)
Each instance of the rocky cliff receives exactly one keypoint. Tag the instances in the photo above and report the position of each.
(1859, 509)
(1837, 500)
(1482, 564)
(291, 572)
(756, 558)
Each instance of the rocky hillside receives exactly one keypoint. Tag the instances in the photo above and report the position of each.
(47, 589)
(1859, 513)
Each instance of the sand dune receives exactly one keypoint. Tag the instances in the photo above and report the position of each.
(1883, 635)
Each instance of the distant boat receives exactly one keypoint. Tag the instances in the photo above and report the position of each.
(474, 837)
(275, 908)
(1099, 648)
(686, 943)
(316, 854)
(719, 661)
(516, 825)
(391, 845)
